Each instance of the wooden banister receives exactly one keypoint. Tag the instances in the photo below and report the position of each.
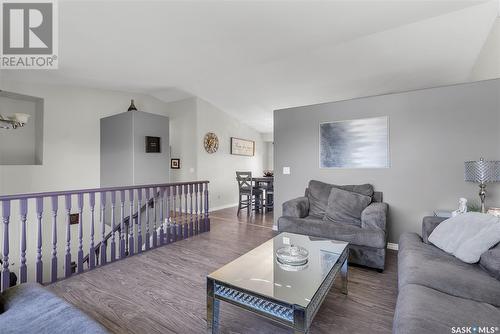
(172, 211)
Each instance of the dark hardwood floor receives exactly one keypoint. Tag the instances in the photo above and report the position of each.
(163, 290)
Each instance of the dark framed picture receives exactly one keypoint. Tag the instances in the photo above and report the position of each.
(74, 218)
(175, 163)
(153, 144)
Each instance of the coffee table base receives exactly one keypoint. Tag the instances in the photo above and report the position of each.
(293, 316)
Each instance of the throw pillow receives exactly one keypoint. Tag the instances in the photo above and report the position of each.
(363, 189)
(467, 236)
(490, 261)
(345, 207)
(318, 193)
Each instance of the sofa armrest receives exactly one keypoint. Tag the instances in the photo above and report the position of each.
(297, 207)
(429, 223)
(374, 216)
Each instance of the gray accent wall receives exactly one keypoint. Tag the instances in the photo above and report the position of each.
(151, 168)
(431, 133)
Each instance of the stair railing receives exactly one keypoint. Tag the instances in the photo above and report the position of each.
(173, 211)
(117, 229)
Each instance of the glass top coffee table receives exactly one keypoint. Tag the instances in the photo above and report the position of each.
(290, 295)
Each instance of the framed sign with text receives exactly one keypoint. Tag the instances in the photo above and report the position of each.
(242, 147)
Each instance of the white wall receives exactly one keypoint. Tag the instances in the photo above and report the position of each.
(220, 167)
(183, 141)
(269, 163)
(488, 61)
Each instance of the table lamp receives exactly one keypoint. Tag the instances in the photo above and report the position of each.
(482, 172)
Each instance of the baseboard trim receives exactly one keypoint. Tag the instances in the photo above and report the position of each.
(220, 207)
(392, 246)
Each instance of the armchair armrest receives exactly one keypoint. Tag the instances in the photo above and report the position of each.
(428, 225)
(374, 216)
(297, 207)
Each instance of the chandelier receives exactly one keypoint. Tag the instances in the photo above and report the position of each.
(15, 121)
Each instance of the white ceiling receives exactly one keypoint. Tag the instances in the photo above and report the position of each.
(250, 58)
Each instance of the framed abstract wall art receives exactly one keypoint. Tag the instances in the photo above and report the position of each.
(357, 143)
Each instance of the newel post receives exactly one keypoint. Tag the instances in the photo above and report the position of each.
(155, 217)
(202, 220)
(55, 206)
(103, 228)
(180, 225)
(131, 223)
(39, 262)
(197, 213)
(5, 260)
(186, 218)
(92, 220)
(191, 222)
(148, 198)
(122, 224)
(23, 270)
(80, 234)
(162, 216)
(168, 235)
(139, 223)
(174, 211)
(67, 262)
(207, 220)
(113, 224)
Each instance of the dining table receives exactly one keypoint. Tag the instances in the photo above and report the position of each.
(266, 184)
(268, 180)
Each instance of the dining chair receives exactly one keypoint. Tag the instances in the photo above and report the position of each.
(249, 196)
(269, 198)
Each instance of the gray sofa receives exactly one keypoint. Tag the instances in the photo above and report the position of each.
(438, 292)
(29, 308)
(367, 240)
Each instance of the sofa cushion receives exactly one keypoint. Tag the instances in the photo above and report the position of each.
(375, 216)
(346, 206)
(317, 227)
(490, 261)
(29, 308)
(467, 235)
(427, 265)
(429, 223)
(423, 310)
(318, 193)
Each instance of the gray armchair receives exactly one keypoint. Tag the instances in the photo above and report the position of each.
(367, 240)
(298, 207)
